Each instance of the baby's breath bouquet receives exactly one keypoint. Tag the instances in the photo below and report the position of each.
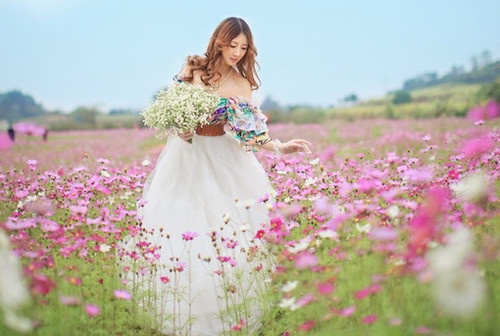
(182, 106)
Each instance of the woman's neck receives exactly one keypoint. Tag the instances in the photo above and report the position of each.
(224, 69)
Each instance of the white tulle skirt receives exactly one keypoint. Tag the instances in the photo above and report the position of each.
(211, 189)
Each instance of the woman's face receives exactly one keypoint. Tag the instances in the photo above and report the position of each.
(235, 51)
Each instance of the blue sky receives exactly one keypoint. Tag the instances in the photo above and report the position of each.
(117, 53)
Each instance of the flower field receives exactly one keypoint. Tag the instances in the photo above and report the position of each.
(389, 227)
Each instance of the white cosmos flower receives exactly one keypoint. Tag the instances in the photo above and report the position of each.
(104, 248)
(289, 303)
(328, 234)
(314, 162)
(471, 188)
(301, 246)
(289, 286)
(393, 211)
(310, 181)
(145, 162)
(13, 291)
(459, 289)
(363, 228)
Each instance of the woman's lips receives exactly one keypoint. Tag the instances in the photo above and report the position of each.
(234, 60)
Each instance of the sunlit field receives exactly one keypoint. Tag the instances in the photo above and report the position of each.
(389, 227)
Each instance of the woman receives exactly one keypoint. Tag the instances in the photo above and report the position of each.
(206, 197)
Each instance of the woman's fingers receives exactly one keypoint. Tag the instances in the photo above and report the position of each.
(186, 136)
(302, 142)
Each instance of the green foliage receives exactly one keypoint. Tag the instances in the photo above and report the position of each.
(305, 115)
(15, 105)
(402, 97)
(351, 98)
(490, 90)
(389, 112)
(483, 70)
(85, 115)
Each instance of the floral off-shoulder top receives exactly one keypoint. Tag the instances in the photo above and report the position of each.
(245, 120)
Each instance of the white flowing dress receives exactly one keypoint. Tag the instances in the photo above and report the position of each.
(196, 189)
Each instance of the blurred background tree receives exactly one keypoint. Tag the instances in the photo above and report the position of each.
(15, 105)
(402, 97)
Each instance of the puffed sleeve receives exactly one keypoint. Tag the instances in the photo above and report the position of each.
(247, 123)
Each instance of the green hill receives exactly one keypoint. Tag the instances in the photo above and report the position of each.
(444, 99)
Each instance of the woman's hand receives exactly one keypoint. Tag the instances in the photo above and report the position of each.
(295, 145)
(186, 136)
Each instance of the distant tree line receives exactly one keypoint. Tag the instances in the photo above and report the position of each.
(483, 69)
(16, 106)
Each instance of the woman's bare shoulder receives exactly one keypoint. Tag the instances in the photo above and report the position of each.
(245, 86)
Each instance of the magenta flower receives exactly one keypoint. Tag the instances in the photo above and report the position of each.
(346, 312)
(189, 235)
(305, 300)
(423, 330)
(5, 142)
(306, 260)
(325, 288)
(41, 284)
(122, 294)
(383, 233)
(477, 146)
(370, 290)
(180, 267)
(92, 310)
(370, 319)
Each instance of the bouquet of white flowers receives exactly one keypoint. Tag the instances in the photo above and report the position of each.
(182, 106)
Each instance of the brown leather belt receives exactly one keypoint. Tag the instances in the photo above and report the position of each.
(211, 130)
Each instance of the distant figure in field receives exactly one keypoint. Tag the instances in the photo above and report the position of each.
(45, 134)
(12, 133)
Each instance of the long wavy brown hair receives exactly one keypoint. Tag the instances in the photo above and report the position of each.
(225, 32)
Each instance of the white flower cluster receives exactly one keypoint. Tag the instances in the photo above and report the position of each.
(14, 294)
(182, 106)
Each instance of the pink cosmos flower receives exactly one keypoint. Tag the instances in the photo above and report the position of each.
(382, 233)
(180, 267)
(305, 300)
(189, 235)
(239, 326)
(477, 146)
(306, 260)
(423, 330)
(306, 326)
(122, 294)
(490, 111)
(325, 288)
(370, 319)
(41, 284)
(69, 300)
(260, 233)
(21, 224)
(5, 141)
(92, 310)
(78, 209)
(370, 290)
(346, 312)
(32, 164)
